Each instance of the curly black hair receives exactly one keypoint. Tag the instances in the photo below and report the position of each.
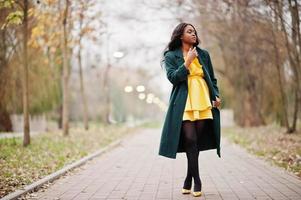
(175, 40)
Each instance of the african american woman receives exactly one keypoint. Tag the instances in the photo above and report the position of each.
(192, 121)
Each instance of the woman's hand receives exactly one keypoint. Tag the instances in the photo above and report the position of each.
(217, 103)
(191, 54)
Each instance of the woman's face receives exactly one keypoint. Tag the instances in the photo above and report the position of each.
(189, 35)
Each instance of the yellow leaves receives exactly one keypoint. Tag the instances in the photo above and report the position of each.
(51, 2)
(52, 50)
(46, 62)
(46, 31)
(6, 3)
(38, 31)
(41, 36)
(33, 43)
(31, 12)
(13, 18)
(87, 30)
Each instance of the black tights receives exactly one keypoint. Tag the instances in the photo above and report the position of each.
(191, 129)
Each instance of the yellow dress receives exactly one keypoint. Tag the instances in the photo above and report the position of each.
(198, 105)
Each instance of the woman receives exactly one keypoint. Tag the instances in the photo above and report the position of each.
(192, 121)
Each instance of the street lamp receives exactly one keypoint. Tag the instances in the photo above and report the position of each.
(141, 96)
(118, 54)
(128, 88)
(140, 88)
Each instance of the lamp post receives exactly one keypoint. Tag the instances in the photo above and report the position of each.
(117, 55)
(106, 81)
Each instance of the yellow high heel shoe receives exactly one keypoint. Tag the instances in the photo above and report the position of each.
(197, 193)
(185, 191)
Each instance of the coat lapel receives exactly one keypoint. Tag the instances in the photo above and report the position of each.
(179, 55)
(201, 58)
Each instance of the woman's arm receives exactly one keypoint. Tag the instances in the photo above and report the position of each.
(174, 73)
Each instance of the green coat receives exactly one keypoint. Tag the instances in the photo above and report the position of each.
(171, 137)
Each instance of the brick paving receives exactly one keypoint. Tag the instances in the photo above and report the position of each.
(134, 170)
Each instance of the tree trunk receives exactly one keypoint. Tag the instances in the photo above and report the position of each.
(293, 60)
(65, 72)
(284, 118)
(5, 121)
(82, 89)
(26, 139)
(295, 28)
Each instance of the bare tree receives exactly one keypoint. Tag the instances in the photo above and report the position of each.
(26, 139)
(84, 29)
(292, 38)
(66, 73)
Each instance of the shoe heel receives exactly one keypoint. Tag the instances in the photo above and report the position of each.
(185, 191)
(197, 194)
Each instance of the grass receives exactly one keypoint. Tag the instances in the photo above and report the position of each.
(271, 143)
(151, 124)
(49, 152)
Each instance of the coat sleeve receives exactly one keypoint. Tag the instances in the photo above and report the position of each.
(212, 76)
(175, 74)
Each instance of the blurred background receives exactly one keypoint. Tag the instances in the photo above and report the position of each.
(103, 57)
(89, 63)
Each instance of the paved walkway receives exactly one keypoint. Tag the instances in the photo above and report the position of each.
(134, 170)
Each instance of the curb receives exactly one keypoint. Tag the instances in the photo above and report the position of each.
(18, 134)
(49, 178)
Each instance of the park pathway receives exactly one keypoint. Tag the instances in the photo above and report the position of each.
(134, 170)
